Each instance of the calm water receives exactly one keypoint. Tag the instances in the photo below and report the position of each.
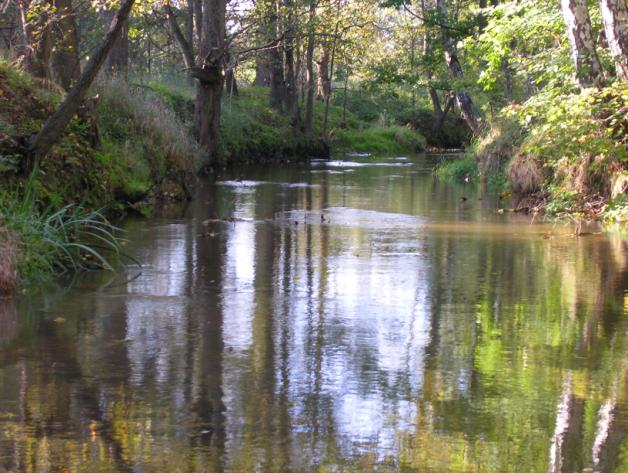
(356, 315)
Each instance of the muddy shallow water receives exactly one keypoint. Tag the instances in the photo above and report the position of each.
(351, 315)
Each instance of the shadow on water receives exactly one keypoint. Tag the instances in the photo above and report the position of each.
(357, 317)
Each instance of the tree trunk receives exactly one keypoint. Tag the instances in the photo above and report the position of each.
(209, 76)
(38, 38)
(277, 82)
(198, 20)
(230, 82)
(189, 24)
(118, 58)
(463, 100)
(184, 44)
(579, 31)
(262, 70)
(292, 99)
(56, 123)
(323, 81)
(309, 67)
(615, 19)
(66, 67)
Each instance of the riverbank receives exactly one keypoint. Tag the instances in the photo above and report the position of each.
(565, 155)
(130, 148)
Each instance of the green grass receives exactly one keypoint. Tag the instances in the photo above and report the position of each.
(391, 139)
(52, 241)
(458, 169)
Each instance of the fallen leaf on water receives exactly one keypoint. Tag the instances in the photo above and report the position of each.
(59, 320)
(296, 277)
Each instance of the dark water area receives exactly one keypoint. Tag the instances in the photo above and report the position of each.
(350, 315)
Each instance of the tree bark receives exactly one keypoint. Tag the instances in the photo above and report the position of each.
(583, 54)
(66, 67)
(197, 5)
(262, 70)
(323, 81)
(292, 98)
(56, 123)
(182, 41)
(118, 58)
(309, 68)
(615, 19)
(231, 83)
(38, 38)
(209, 75)
(277, 80)
(188, 24)
(463, 100)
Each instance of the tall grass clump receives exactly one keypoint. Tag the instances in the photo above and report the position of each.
(458, 169)
(144, 141)
(50, 242)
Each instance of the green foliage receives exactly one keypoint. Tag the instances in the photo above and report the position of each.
(527, 37)
(53, 241)
(458, 169)
(391, 139)
(563, 201)
(616, 210)
(580, 139)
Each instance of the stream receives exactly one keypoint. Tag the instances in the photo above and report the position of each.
(355, 314)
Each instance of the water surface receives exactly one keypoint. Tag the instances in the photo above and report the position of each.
(351, 315)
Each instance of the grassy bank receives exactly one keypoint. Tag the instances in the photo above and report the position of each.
(252, 132)
(562, 154)
(123, 147)
(130, 146)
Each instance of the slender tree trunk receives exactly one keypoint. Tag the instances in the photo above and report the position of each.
(507, 72)
(292, 99)
(209, 76)
(277, 80)
(230, 82)
(344, 98)
(118, 58)
(56, 123)
(615, 19)
(66, 67)
(184, 44)
(262, 70)
(579, 31)
(309, 67)
(463, 100)
(188, 24)
(197, 5)
(322, 80)
(328, 86)
(38, 38)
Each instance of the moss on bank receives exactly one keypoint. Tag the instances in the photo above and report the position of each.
(563, 154)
